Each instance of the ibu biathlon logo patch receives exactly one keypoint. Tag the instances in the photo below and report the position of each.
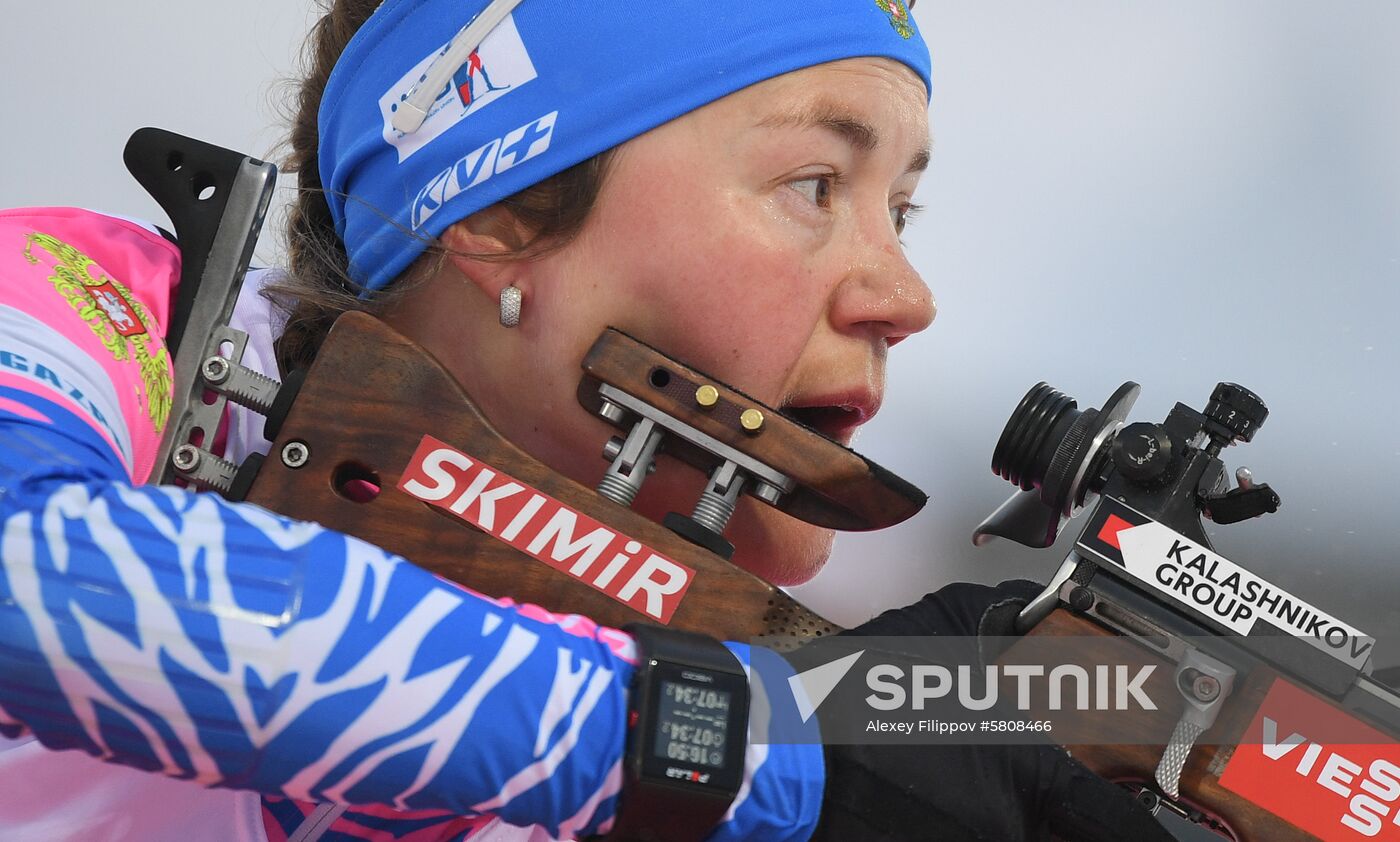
(500, 65)
(899, 16)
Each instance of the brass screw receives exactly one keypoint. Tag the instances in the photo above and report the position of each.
(751, 420)
(707, 396)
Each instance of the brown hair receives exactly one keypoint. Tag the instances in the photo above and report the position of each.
(318, 287)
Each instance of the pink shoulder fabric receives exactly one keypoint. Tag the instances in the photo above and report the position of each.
(82, 293)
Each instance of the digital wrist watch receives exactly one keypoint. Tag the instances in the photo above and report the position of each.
(687, 733)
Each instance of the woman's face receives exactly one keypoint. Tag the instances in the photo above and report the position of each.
(757, 240)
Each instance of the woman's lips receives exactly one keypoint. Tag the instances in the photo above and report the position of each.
(836, 416)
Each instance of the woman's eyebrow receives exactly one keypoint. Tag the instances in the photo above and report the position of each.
(858, 132)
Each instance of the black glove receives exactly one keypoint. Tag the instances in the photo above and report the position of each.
(950, 792)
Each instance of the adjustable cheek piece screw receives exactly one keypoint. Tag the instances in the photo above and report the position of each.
(633, 459)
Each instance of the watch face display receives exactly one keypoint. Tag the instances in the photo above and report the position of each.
(695, 726)
(692, 723)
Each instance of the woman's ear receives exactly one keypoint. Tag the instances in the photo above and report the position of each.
(484, 246)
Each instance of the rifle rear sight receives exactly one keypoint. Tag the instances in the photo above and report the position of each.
(1061, 456)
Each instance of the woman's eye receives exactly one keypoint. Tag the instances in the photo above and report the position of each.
(816, 189)
(901, 214)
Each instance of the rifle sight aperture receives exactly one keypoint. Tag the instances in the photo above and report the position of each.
(1059, 456)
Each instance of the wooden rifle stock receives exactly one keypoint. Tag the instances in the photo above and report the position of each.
(361, 413)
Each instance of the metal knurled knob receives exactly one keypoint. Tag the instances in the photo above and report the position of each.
(1142, 452)
(1237, 409)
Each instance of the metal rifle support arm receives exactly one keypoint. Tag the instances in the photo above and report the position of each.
(216, 200)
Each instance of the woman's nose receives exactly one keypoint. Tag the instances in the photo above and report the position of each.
(882, 294)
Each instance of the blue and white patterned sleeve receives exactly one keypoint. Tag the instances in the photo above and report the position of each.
(179, 633)
(182, 634)
(223, 643)
(218, 642)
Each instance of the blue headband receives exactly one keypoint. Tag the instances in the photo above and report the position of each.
(557, 82)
